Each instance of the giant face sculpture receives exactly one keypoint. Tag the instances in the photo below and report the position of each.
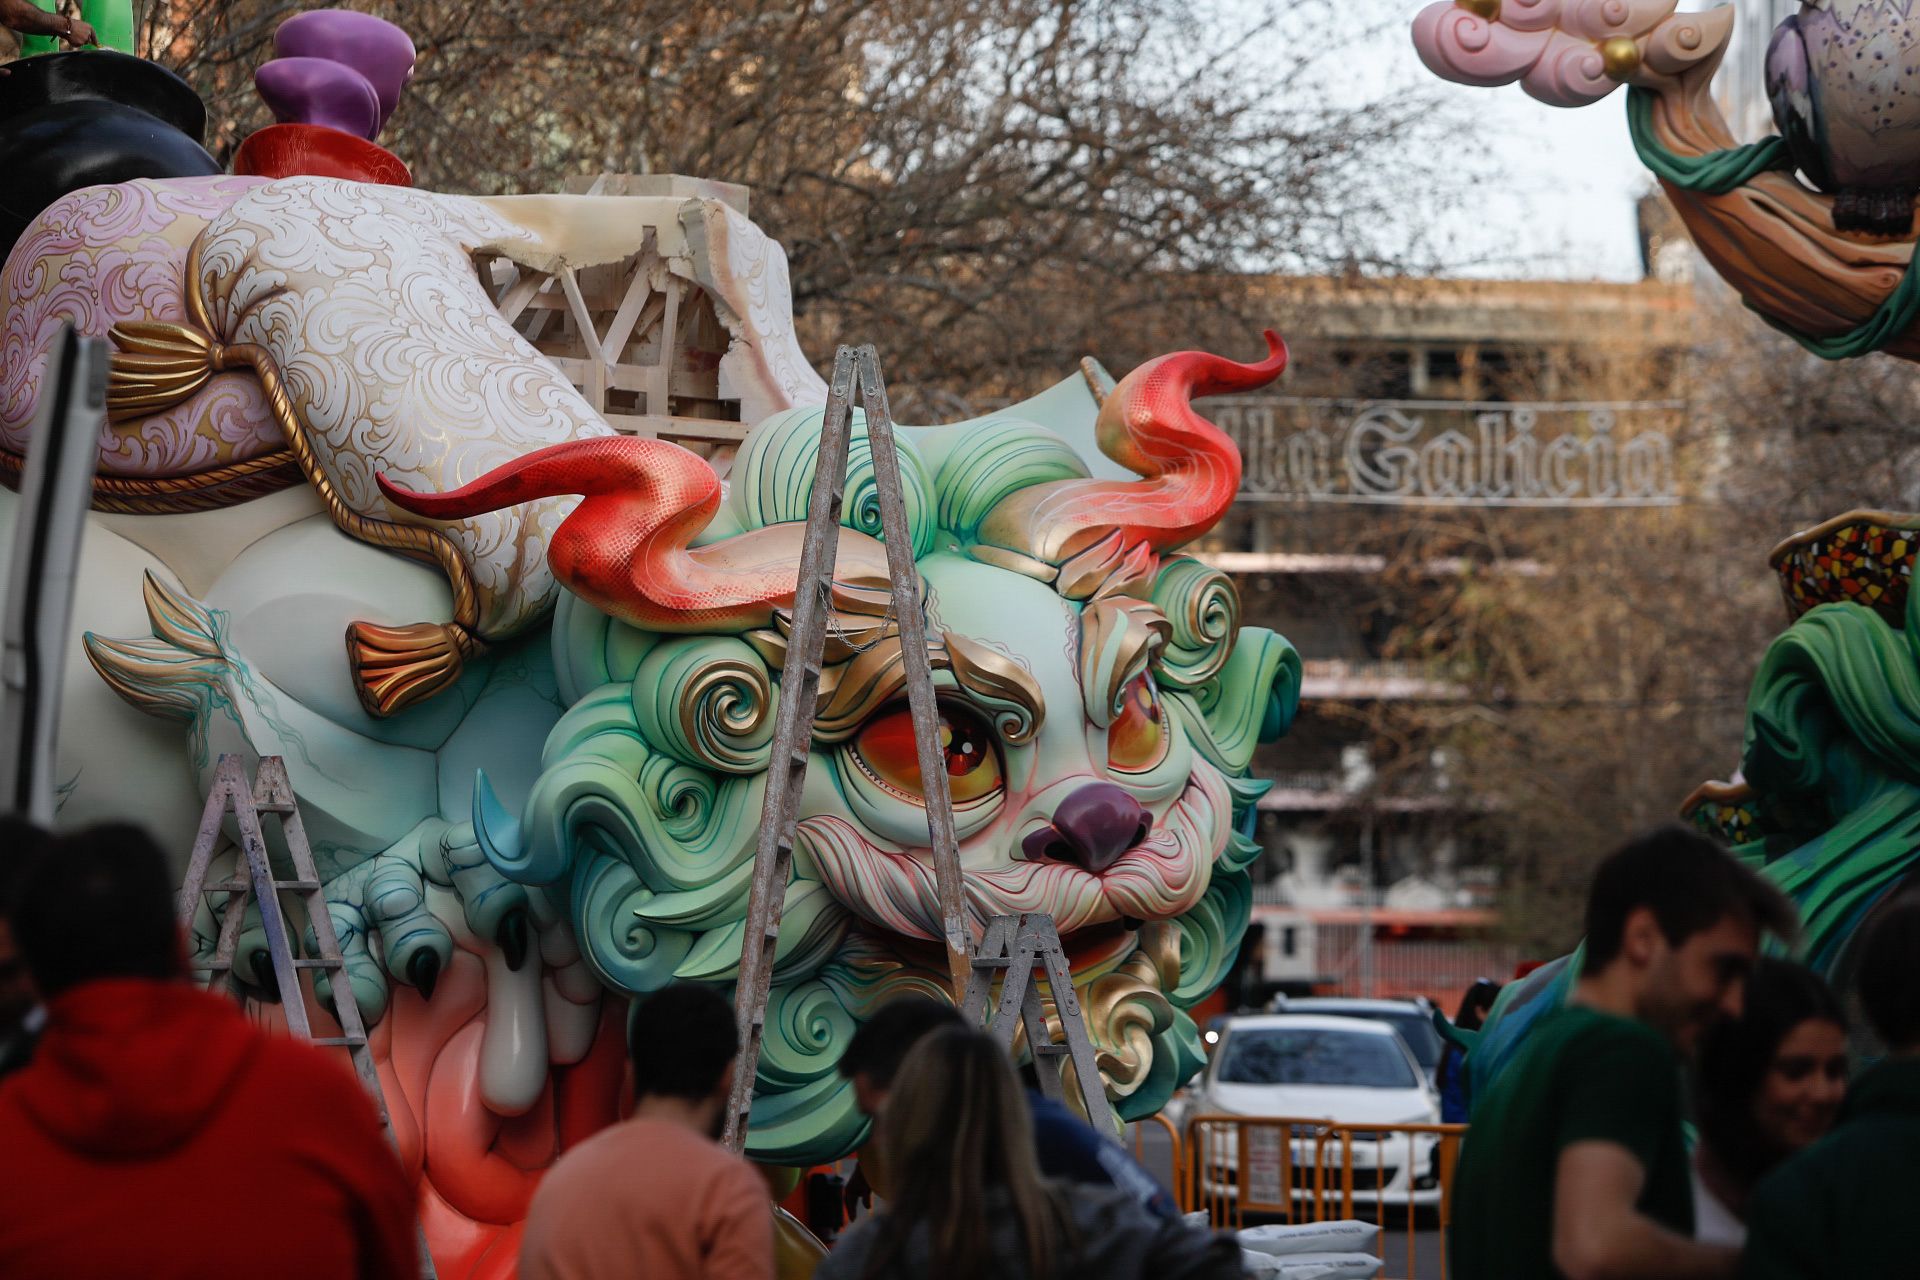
(290, 352)
(1100, 701)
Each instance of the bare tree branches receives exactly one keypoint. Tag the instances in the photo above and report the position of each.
(991, 189)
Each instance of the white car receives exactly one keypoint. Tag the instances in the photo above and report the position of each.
(1308, 1068)
(1413, 1019)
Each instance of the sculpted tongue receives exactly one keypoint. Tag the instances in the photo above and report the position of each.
(513, 1051)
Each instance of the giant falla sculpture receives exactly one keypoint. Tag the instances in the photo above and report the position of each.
(522, 669)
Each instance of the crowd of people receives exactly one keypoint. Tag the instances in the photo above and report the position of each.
(161, 1133)
(166, 1135)
(1577, 1164)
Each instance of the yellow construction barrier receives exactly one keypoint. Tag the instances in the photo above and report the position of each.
(1300, 1169)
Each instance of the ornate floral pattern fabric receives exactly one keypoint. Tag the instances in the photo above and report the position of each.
(106, 255)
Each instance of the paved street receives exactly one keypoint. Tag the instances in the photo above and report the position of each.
(1423, 1262)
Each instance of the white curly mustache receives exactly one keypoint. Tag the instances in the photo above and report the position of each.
(1163, 876)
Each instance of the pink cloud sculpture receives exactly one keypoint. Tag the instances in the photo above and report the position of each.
(1566, 53)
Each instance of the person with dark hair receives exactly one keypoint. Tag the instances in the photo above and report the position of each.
(22, 1016)
(149, 1095)
(1450, 1076)
(873, 1057)
(1068, 1147)
(969, 1200)
(1576, 1164)
(657, 1195)
(1768, 1084)
(871, 1061)
(1843, 1208)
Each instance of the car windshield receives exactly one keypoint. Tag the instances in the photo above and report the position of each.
(1306, 1055)
(1413, 1026)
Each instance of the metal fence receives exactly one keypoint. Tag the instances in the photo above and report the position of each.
(1299, 1170)
(1440, 969)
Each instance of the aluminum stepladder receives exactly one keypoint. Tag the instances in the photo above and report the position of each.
(1011, 947)
(792, 741)
(799, 696)
(253, 879)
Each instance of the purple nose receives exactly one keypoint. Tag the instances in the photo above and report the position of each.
(1092, 827)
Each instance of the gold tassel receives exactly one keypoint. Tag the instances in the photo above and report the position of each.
(159, 364)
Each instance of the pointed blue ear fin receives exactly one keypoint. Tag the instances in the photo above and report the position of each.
(495, 830)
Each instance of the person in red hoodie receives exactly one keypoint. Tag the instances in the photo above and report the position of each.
(157, 1132)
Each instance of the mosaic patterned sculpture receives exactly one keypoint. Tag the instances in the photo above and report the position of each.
(532, 776)
(1832, 270)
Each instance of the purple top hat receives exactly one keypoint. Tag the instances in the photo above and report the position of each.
(376, 49)
(317, 91)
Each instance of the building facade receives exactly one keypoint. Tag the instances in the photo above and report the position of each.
(1411, 406)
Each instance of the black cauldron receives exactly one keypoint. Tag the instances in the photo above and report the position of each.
(77, 119)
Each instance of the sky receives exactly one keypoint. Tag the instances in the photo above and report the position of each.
(1562, 203)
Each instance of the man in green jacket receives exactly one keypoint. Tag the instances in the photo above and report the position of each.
(1844, 1207)
(1575, 1165)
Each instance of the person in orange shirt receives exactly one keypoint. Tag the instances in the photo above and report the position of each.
(657, 1195)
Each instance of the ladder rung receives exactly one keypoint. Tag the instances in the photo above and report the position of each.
(339, 1042)
(228, 886)
(991, 962)
(299, 886)
(1052, 1050)
(221, 966)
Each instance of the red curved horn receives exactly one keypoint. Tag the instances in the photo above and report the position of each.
(625, 548)
(1147, 424)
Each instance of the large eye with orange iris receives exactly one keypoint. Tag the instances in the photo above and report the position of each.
(885, 752)
(1137, 738)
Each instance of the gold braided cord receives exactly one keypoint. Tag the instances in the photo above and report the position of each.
(175, 495)
(413, 540)
(422, 543)
(160, 364)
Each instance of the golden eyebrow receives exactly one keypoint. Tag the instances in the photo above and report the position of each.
(1119, 638)
(874, 676)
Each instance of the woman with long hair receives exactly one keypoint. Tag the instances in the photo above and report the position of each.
(968, 1200)
(1769, 1084)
